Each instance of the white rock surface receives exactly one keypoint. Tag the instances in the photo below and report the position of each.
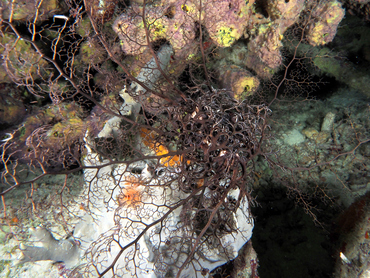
(137, 222)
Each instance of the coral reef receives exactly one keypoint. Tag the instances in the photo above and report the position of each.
(167, 121)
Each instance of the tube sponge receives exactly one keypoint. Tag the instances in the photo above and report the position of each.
(327, 17)
(226, 20)
(240, 81)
